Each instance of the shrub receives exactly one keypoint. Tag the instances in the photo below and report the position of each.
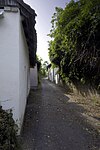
(8, 132)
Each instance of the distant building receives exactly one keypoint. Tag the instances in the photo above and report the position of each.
(53, 74)
(34, 77)
(18, 43)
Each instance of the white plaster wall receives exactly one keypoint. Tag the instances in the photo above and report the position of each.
(34, 77)
(24, 72)
(56, 75)
(49, 74)
(53, 76)
(14, 66)
(9, 62)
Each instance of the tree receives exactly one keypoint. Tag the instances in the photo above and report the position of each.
(42, 66)
(75, 44)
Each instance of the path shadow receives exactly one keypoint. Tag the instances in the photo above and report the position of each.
(30, 124)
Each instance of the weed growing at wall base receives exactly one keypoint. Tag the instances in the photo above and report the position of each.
(8, 131)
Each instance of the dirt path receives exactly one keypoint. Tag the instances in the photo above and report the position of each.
(53, 122)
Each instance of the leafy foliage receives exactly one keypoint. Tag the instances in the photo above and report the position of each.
(42, 66)
(75, 44)
(8, 139)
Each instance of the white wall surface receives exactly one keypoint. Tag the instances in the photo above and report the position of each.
(56, 75)
(14, 66)
(24, 72)
(53, 75)
(33, 77)
(9, 62)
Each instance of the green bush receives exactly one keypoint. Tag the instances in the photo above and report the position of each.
(8, 132)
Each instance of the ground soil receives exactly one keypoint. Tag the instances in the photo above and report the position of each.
(56, 120)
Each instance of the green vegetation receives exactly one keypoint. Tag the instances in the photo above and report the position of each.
(42, 66)
(8, 132)
(75, 43)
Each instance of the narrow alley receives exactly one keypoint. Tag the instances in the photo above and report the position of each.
(53, 122)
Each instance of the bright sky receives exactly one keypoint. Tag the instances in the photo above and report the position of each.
(44, 10)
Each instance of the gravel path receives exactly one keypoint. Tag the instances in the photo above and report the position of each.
(53, 122)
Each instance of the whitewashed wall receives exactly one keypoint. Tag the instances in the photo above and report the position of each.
(9, 62)
(14, 66)
(56, 75)
(53, 75)
(24, 72)
(34, 77)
